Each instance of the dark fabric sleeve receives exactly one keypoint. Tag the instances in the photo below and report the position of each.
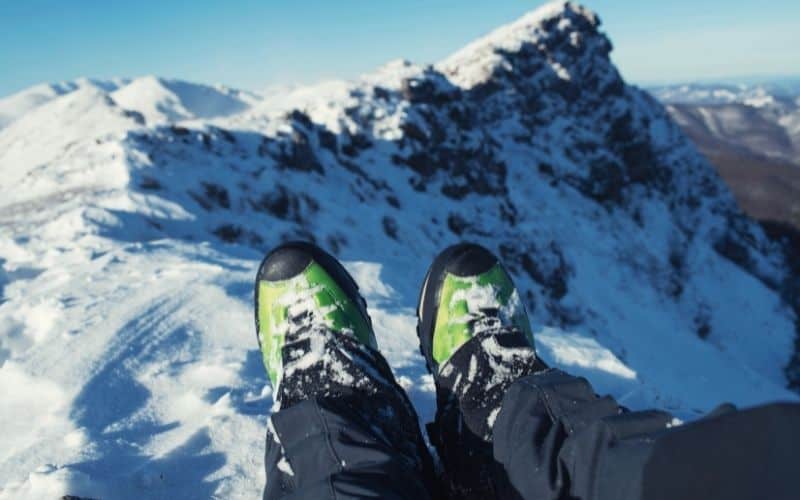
(554, 438)
(753, 453)
(327, 448)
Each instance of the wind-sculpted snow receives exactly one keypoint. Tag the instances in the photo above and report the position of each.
(130, 247)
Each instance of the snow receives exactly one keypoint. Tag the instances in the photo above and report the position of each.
(474, 63)
(19, 104)
(133, 217)
(160, 100)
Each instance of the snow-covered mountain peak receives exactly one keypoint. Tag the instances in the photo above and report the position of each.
(544, 36)
(161, 100)
(20, 103)
(156, 100)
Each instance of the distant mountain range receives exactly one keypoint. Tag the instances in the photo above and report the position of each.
(751, 133)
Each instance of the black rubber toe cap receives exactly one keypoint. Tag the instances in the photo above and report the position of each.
(287, 261)
(467, 259)
(290, 259)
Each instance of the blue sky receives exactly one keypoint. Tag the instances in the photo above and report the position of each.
(254, 44)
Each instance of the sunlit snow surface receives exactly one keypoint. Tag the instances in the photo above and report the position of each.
(128, 358)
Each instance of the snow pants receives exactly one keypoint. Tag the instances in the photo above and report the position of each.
(553, 438)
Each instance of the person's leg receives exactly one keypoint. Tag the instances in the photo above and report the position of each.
(476, 339)
(509, 427)
(554, 438)
(341, 426)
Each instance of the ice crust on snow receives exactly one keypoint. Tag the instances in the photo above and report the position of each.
(131, 228)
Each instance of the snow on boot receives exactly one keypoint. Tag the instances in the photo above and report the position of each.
(476, 339)
(315, 335)
(317, 342)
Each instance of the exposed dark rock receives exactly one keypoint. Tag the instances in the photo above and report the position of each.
(421, 163)
(381, 93)
(264, 146)
(216, 194)
(356, 143)
(788, 237)
(508, 213)
(200, 200)
(545, 265)
(299, 117)
(732, 249)
(461, 116)
(277, 202)
(229, 233)
(702, 323)
(336, 242)
(413, 132)
(149, 183)
(418, 184)
(180, 131)
(429, 88)
(484, 90)
(232, 233)
(792, 369)
(327, 139)
(605, 183)
(311, 204)
(298, 154)
(205, 138)
(135, 116)
(389, 227)
(546, 169)
(677, 276)
(213, 195)
(457, 224)
(465, 170)
(226, 135)
(283, 204)
(703, 330)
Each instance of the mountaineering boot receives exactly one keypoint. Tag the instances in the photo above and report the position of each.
(476, 339)
(312, 325)
(329, 381)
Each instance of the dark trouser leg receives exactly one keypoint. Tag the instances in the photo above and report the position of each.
(346, 429)
(469, 392)
(329, 448)
(554, 438)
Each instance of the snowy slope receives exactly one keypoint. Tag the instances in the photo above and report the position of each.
(131, 227)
